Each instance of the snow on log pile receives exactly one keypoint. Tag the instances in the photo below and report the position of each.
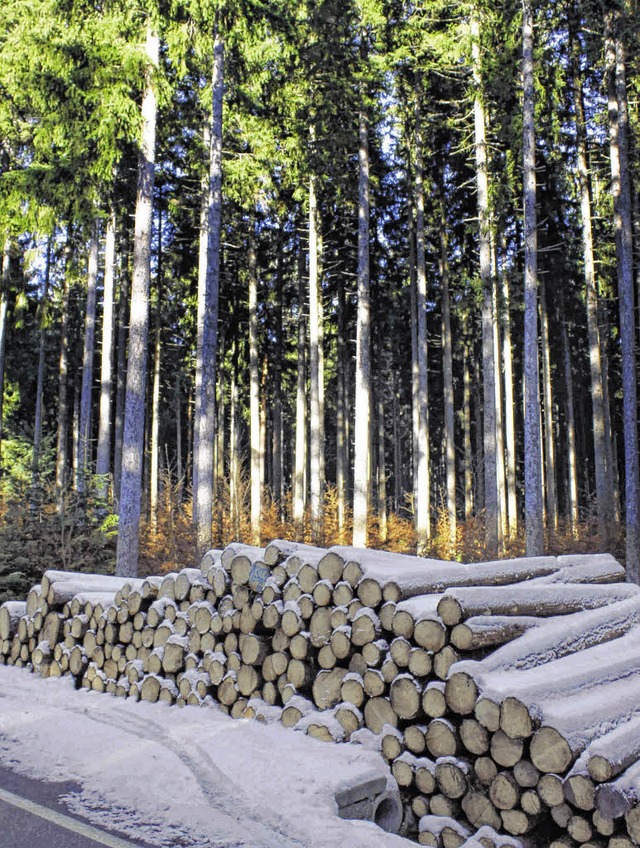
(505, 696)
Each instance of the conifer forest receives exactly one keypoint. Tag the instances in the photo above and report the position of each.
(362, 272)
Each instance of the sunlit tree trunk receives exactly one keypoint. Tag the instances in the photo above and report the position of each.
(121, 384)
(572, 473)
(154, 446)
(341, 414)
(4, 312)
(277, 441)
(382, 474)
(103, 454)
(301, 411)
(501, 480)
(62, 447)
(133, 437)
(361, 465)
(447, 369)
(532, 442)
(604, 488)
(208, 290)
(509, 406)
(234, 450)
(423, 475)
(549, 446)
(84, 446)
(315, 434)
(620, 180)
(488, 316)
(466, 426)
(254, 389)
(42, 351)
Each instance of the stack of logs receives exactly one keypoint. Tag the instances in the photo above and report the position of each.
(534, 735)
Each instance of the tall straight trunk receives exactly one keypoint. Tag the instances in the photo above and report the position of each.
(415, 388)
(4, 312)
(478, 417)
(341, 412)
(382, 474)
(121, 385)
(276, 465)
(447, 374)
(532, 443)
(620, 180)
(492, 527)
(397, 448)
(264, 391)
(84, 446)
(468, 452)
(423, 488)
(315, 435)
(62, 447)
(604, 487)
(208, 291)
(321, 404)
(572, 473)
(133, 436)
(220, 408)
(177, 399)
(301, 410)
(509, 407)
(42, 352)
(501, 480)
(549, 446)
(361, 463)
(154, 444)
(254, 388)
(609, 435)
(75, 428)
(234, 450)
(103, 453)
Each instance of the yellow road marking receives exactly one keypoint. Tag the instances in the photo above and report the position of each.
(66, 822)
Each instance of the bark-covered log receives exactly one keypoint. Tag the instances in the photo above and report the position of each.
(489, 631)
(10, 614)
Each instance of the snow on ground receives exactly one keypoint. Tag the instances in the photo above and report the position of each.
(178, 777)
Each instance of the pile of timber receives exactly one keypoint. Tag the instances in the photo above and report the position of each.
(503, 695)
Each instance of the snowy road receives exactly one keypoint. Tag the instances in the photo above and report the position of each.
(181, 778)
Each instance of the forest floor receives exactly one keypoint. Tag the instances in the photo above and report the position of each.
(182, 778)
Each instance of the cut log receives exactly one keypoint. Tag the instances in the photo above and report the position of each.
(236, 549)
(443, 660)
(504, 792)
(579, 790)
(420, 662)
(281, 549)
(480, 811)
(621, 795)
(10, 614)
(352, 689)
(391, 742)
(365, 628)
(442, 738)
(326, 688)
(434, 703)
(414, 738)
(506, 751)
(474, 736)
(377, 713)
(543, 601)
(610, 754)
(405, 696)
(349, 718)
(489, 631)
(461, 693)
(452, 777)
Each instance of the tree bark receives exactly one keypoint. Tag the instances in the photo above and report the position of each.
(254, 388)
(447, 368)
(133, 436)
(604, 488)
(84, 447)
(549, 445)
(315, 446)
(62, 449)
(509, 405)
(341, 414)
(620, 179)
(488, 317)
(121, 384)
(532, 446)
(103, 455)
(572, 474)
(208, 291)
(423, 477)
(154, 446)
(42, 350)
(301, 411)
(361, 465)
(4, 311)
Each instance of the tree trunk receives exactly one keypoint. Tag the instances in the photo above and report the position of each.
(468, 452)
(501, 480)
(509, 405)
(234, 450)
(154, 445)
(620, 179)
(103, 455)
(572, 475)
(604, 491)
(423, 477)
(488, 317)
(121, 385)
(62, 449)
(4, 310)
(208, 291)
(361, 465)
(447, 368)
(84, 446)
(301, 410)
(178, 420)
(382, 474)
(315, 447)
(276, 465)
(37, 426)
(133, 436)
(254, 388)
(549, 446)
(532, 447)
(341, 413)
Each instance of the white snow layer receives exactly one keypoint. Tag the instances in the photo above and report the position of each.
(183, 776)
